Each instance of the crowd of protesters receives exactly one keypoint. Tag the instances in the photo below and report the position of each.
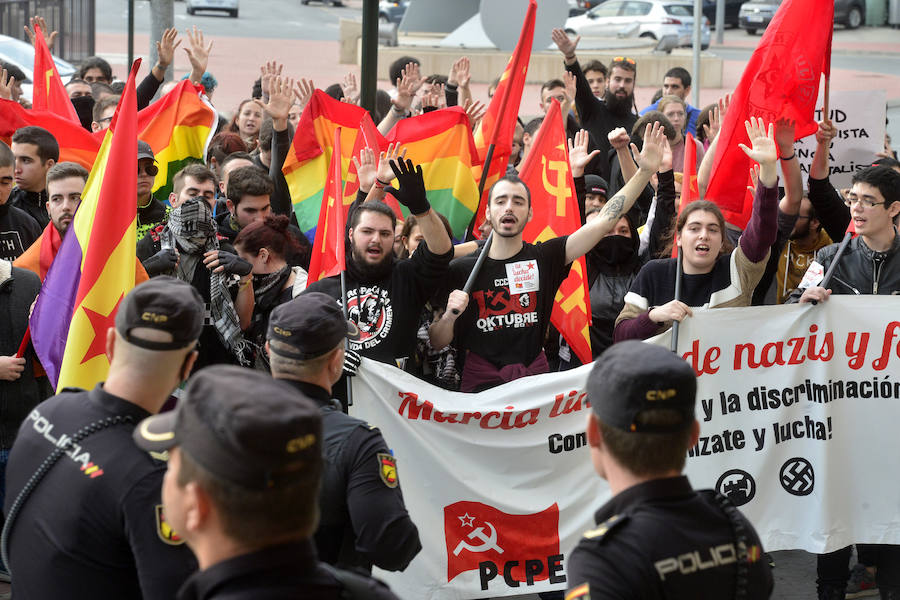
(227, 230)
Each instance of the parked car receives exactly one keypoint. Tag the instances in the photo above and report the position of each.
(229, 6)
(392, 11)
(21, 54)
(654, 19)
(324, 2)
(756, 14)
(732, 11)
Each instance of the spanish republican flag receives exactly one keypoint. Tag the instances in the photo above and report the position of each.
(499, 123)
(179, 127)
(306, 166)
(76, 144)
(327, 257)
(49, 91)
(554, 206)
(95, 265)
(441, 141)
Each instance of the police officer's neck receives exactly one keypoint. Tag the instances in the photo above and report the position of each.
(211, 546)
(148, 393)
(321, 378)
(621, 479)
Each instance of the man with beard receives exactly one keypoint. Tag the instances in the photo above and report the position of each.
(600, 117)
(385, 297)
(807, 238)
(501, 337)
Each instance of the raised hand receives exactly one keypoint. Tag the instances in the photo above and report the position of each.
(40, 23)
(475, 111)
(565, 44)
(459, 72)
(414, 76)
(267, 73)
(571, 86)
(7, 83)
(280, 100)
(407, 85)
(579, 157)
(650, 156)
(435, 97)
(165, 48)
(350, 88)
(304, 91)
(826, 132)
(411, 190)
(365, 168)
(764, 150)
(784, 136)
(198, 53)
(385, 172)
(666, 162)
(618, 138)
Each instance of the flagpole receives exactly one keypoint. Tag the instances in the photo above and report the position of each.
(346, 341)
(490, 238)
(25, 339)
(826, 94)
(675, 324)
(488, 158)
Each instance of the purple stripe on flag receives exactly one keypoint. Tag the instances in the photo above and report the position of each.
(53, 310)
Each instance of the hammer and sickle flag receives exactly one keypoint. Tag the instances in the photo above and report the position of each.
(387, 469)
(164, 530)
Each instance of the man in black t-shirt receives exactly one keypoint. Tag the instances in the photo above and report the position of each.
(503, 331)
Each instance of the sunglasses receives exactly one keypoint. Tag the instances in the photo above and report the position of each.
(150, 170)
(623, 59)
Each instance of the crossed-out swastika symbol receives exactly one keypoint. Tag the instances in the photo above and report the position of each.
(797, 476)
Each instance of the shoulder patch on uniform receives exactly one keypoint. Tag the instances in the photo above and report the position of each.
(605, 527)
(387, 469)
(582, 592)
(371, 427)
(164, 530)
(160, 456)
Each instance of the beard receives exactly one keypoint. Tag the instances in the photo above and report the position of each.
(799, 234)
(365, 271)
(618, 105)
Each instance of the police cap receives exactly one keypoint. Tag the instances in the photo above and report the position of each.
(166, 304)
(308, 326)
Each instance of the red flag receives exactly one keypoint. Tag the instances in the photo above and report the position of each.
(328, 249)
(781, 80)
(49, 93)
(554, 208)
(499, 122)
(689, 186)
(476, 532)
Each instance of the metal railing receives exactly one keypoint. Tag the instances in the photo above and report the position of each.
(73, 19)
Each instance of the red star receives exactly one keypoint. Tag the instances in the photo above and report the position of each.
(100, 323)
(530, 266)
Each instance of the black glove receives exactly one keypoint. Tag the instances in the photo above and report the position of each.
(352, 361)
(234, 264)
(412, 187)
(161, 262)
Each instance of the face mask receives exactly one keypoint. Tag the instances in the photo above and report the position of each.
(615, 249)
(84, 108)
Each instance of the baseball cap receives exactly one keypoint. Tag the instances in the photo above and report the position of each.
(308, 326)
(632, 377)
(242, 426)
(594, 184)
(145, 151)
(164, 303)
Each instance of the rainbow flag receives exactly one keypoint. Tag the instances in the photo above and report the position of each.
(441, 141)
(95, 265)
(179, 127)
(328, 250)
(554, 205)
(306, 165)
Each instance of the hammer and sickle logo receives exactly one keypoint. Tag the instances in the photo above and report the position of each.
(560, 191)
(488, 542)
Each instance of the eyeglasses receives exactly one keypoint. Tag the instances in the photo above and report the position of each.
(866, 203)
(150, 170)
(623, 59)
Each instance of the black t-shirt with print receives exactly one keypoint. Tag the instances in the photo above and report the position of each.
(499, 324)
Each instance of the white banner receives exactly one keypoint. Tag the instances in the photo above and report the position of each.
(859, 119)
(797, 405)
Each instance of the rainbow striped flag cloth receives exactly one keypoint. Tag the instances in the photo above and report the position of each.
(306, 166)
(441, 141)
(179, 127)
(95, 265)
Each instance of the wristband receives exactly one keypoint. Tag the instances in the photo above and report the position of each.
(381, 184)
(451, 86)
(793, 154)
(244, 284)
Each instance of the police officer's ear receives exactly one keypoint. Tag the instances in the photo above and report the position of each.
(187, 365)
(110, 343)
(594, 437)
(695, 434)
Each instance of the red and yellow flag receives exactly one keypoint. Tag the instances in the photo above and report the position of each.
(441, 141)
(95, 265)
(49, 93)
(554, 207)
(327, 257)
(499, 123)
(689, 185)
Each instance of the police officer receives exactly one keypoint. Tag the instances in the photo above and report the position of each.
(245, 457)
(88, 522)
(364, 520)
(657, 537)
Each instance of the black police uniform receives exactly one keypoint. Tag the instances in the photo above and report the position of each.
(278, 572)
(363, 519)
(93, 526)
(662, 539)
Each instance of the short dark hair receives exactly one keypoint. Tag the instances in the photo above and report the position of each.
(266, 133)
(679, 73)
(886, 161)
(629, 64)
(885, 179)
(595, 65)
(395, 71)
(532, 126)
(76, 80)
(101, 106)
(552, 84)
(335, 91)
(117, 87)
(7, 158)
(378, 207)
(198, 171)
(66, 169)
(95, 62)
(248, 181)
(48, 147)
(653, 116)
(511, 178)
(13, 71)
(256, 518)
(649, 453)
(235, 156)
(98, 88)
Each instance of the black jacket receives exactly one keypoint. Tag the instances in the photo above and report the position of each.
(861, 270)
(34, 203)
(18, 231)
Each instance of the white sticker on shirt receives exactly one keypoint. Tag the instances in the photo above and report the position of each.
(813, 276)
(523, 276)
